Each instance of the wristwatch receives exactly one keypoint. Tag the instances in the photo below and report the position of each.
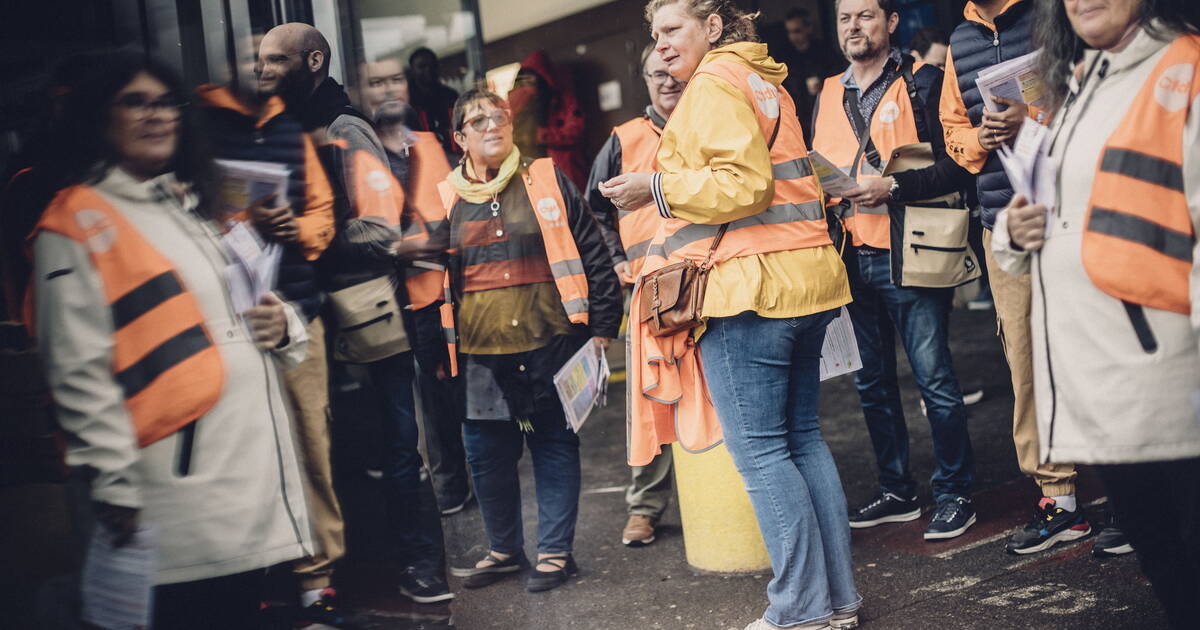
(894, 190)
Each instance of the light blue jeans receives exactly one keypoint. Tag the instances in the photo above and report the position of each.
(764, 377)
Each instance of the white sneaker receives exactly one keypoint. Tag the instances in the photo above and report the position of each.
(763, 624)
(844, 620)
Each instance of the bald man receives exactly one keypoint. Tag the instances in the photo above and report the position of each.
(293, 62)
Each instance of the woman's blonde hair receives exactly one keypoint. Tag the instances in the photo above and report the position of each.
(738, 25)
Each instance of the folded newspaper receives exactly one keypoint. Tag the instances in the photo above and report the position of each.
(1016, 79)
(244, 182)
(582, 384)
(834, 182)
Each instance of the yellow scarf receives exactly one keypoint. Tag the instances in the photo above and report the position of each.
(479, 192)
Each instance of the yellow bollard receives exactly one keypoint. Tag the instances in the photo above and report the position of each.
(720, 532)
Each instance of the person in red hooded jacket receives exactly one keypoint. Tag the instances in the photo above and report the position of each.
(547, 119)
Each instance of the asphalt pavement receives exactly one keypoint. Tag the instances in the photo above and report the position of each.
(966, 583)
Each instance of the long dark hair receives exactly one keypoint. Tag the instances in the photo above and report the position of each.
(1061, 47)
(84, 153)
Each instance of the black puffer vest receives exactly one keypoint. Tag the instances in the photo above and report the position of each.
(976, 47)
(233, 136)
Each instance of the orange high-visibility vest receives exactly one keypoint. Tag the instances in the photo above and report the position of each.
(893, 124)
(163, 356)
(639, 144)
(669, 398)
(1138, 237)
(372, 189)
(570, 278)
(428, 167)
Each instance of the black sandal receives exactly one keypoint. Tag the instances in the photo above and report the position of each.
(546, 580)
(478, 577)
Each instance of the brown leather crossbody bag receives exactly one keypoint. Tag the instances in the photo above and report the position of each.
(673, 295)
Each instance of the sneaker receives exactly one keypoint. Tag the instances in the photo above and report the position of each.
(844, 620)
(325, 610)
(1049, 526)
(951, 519)
(454, 506)
(424, 587)
(763, 624)
(639, 531)
(494, 571)
(885, 508)
(1111, 541)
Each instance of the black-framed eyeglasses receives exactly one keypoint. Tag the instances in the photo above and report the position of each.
(480, 123)
(659, 78)
(143, 106)
(278, 60)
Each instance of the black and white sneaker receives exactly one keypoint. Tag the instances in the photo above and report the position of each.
(455, 505)
(1111, 541)
(424, 587)
(885, 508)
(1049, 526)
(952, 519)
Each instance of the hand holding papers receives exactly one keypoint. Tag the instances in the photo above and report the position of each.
(1015, 79)
(834, 182)
(255, 266)
(1029, 168)
(582, 383)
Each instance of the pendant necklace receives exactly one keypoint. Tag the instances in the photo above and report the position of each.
(495, 207)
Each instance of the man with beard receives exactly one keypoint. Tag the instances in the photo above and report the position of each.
(631, 149)
(881, 102)
(294, 63)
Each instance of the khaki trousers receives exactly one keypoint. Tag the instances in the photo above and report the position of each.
(649, 494)
(308, 389)
(1013, 296)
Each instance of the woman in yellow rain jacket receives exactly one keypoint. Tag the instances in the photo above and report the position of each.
(733, 153)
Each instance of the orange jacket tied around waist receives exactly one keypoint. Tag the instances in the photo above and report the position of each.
(1138, 237)
(541, 184)
(163, 356)
(668, 398)
(639, 143)
(893, 125)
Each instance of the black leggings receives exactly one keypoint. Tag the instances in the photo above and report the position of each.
(230, 602)
(1158, 507)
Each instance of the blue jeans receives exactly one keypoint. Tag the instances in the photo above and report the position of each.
(922, 318)
(400, 461)
(764, 378)
(493, 449)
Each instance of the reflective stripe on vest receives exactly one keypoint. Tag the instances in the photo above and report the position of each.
(795, 218)
(541, 185)
(893, 125)
(639, 144)
(1138, 237)
(163, 357)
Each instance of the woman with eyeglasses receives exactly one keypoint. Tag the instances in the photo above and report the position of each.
(171, 396)
(533, 283)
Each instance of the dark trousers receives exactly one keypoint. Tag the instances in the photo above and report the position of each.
(401, 462)
(922, 318)
(230, 602)
(443, 418)
(1157, 505)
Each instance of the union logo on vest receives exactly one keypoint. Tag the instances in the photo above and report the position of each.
(765, 94)
(100, 232)
(549, 209)
(1171, 89)
(889, 112)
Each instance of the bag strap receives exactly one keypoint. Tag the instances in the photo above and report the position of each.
(865, 145)
(918, 103)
